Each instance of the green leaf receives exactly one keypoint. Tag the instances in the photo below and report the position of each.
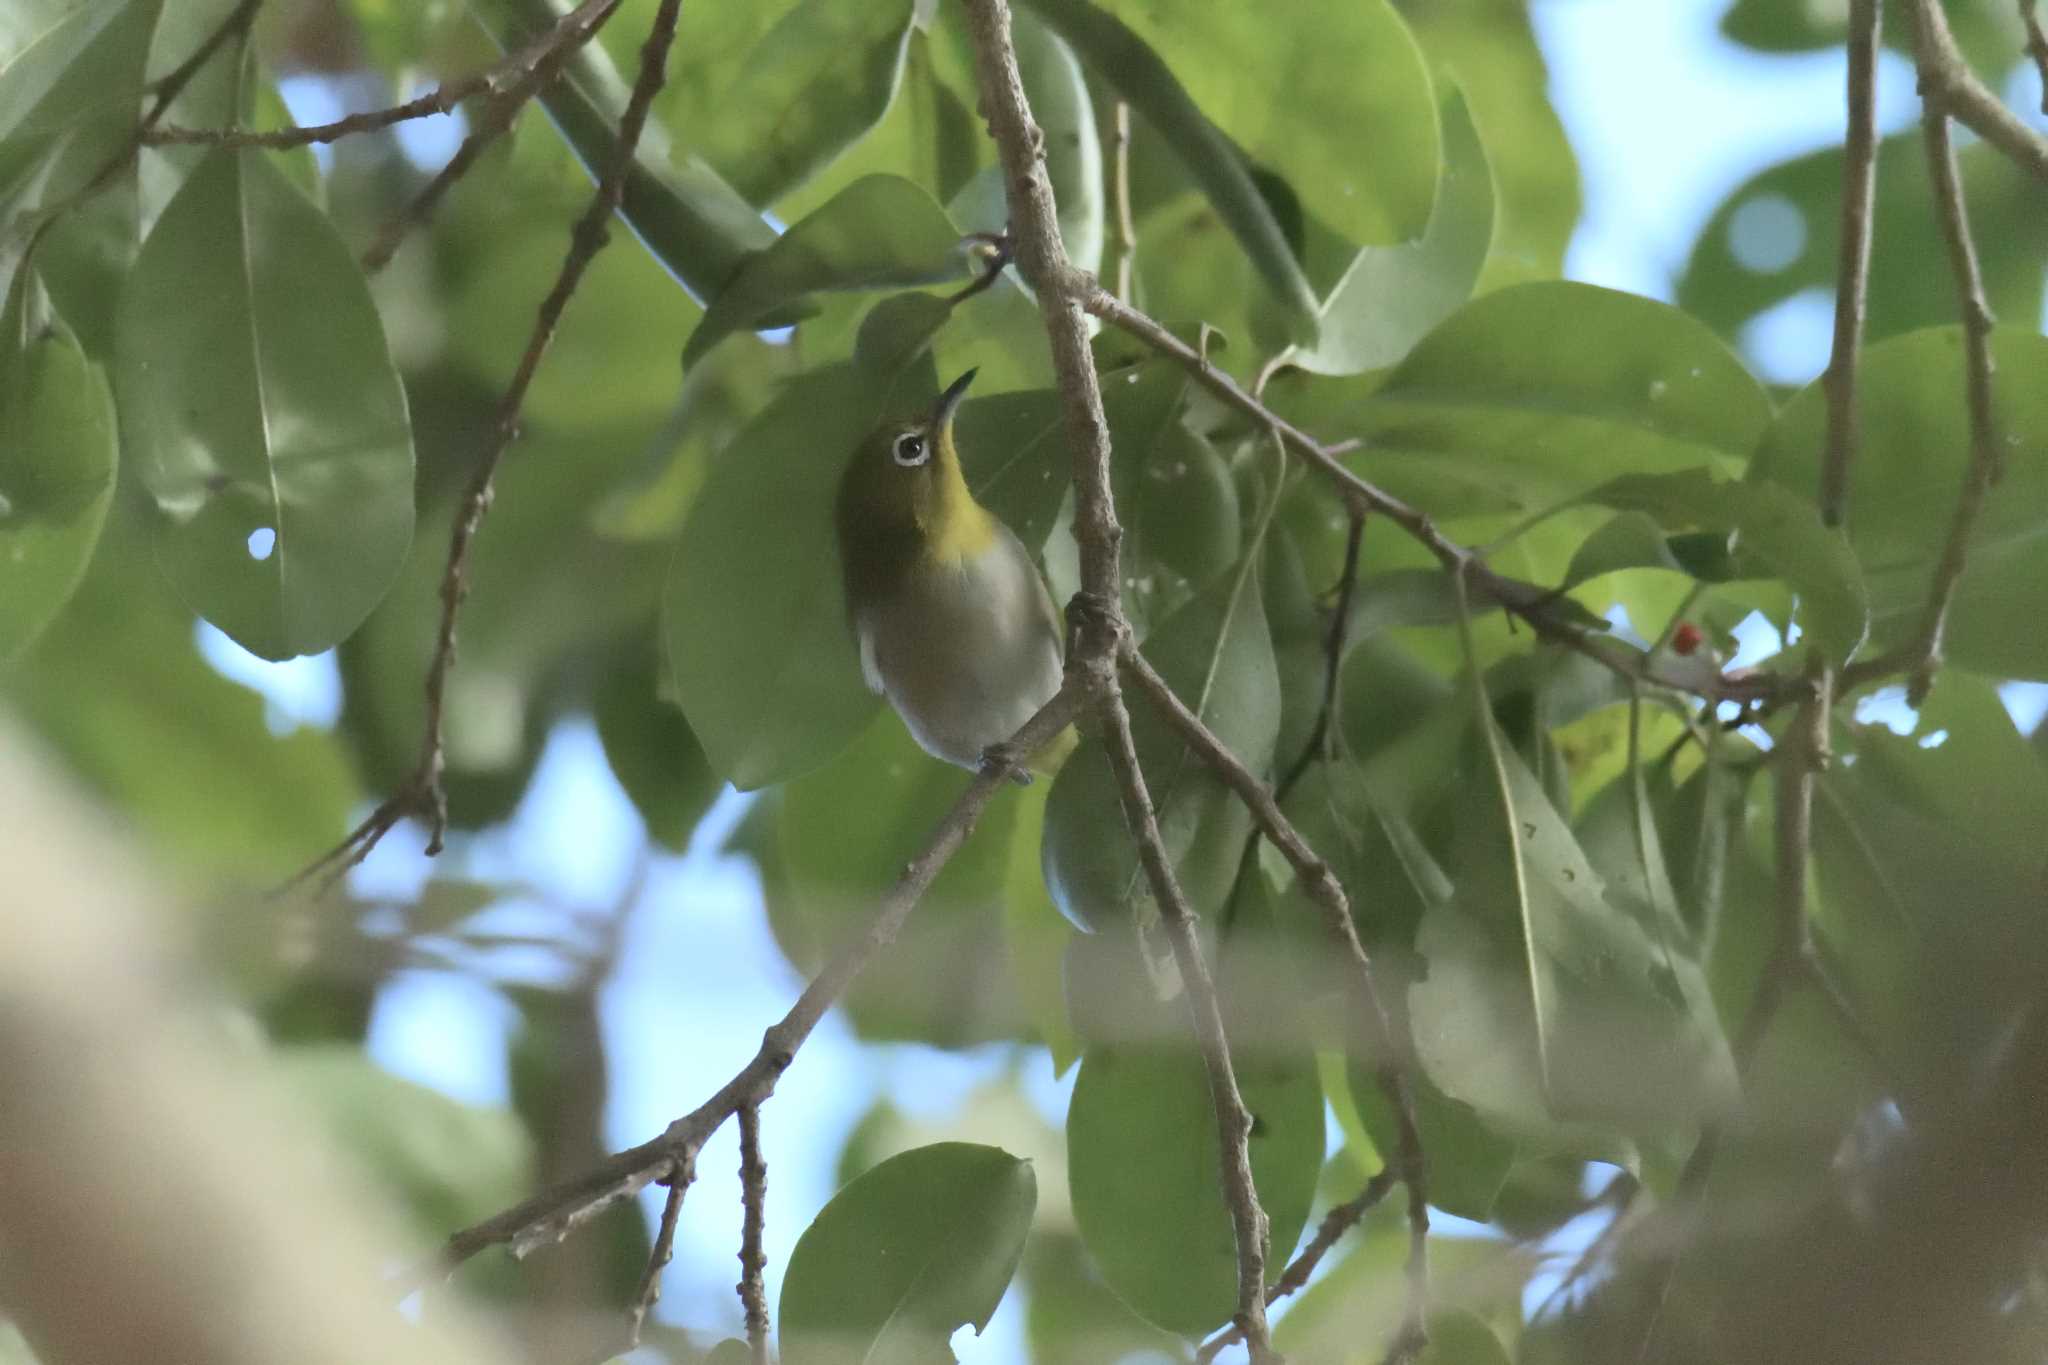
(1173, 494)
(1393, 295)
(1013, 452)
(57, 456)
(1903, 488)
(1035, 935)
(1217, 654)
(880, 232)
(600, 370)
(1779, 534)
(845, 832)
(1489, 49)
(758, 645)
(1774, 238)
(904, 1255)
(1490, 413)
(651, 749)
(63, 63)
(1283, 93)
(1458, 1337)
(1061, 107)
(117, 687)
(1144, 1169)
(693, 222)
(264, 413)
(809, 89)
(1123, 58)
(1546, 1002)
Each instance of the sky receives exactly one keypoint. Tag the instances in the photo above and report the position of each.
(1666, 117)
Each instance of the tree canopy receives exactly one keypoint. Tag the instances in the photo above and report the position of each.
(1517, 738)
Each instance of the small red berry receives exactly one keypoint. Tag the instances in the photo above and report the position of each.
(1686, 638)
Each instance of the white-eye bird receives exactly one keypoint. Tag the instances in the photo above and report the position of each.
(954, 622)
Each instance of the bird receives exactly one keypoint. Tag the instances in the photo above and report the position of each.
(955, 625)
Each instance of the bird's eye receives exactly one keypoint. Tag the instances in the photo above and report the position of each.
(910, 449)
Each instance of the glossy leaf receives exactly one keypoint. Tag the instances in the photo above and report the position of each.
(1903, 487)
(1393, 295)
(1489, 413)
(1145, 1172)
(651, 749)
(1013, 451)
(1235, 63)
(808, 89)
(693, 222)
(1490, 50)
(263, 411)
(57, 457)
(1174, 497)
(906, 1254)
(757, 642)
(879, 232)
(1776, 533)
(1123, 58)
(1544, 1000)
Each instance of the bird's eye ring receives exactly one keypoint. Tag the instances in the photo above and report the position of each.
(910, 449)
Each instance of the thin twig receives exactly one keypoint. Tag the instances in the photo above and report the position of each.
(2037, 46)
(422, 794)
(1986, 458)
(659, 1257)
(1233, 1119)
(1947, 76)
(492, 121)
(1852, 278)
(552, 1214)
(1126, 232)
(1329, 1232)
(1323, 888)
(1335, 641)
(497, 80)
(174, 81)
(752, 1288)
(1531, 604)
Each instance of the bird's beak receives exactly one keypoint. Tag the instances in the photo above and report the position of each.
(949, 401)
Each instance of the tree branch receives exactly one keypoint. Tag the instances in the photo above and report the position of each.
(2037, 46)
(1100, 627)
(658, 1259)
(1126, 231)
(1329, 1232)
(753, 1201)
(1987, 461)
(492, 121)
(1852, 279)
(553, 1213)
(1946, 77)
(1533, 605)
(1377, 1034)
(422, 794)
(497, 82)
(1233, 1119)
(1318, 743)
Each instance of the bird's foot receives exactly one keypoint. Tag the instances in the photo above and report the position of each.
(1004, 758)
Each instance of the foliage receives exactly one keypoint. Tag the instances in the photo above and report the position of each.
(1557, 837)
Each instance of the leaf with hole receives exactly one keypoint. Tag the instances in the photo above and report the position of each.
(264, 414)
(906, 1254)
